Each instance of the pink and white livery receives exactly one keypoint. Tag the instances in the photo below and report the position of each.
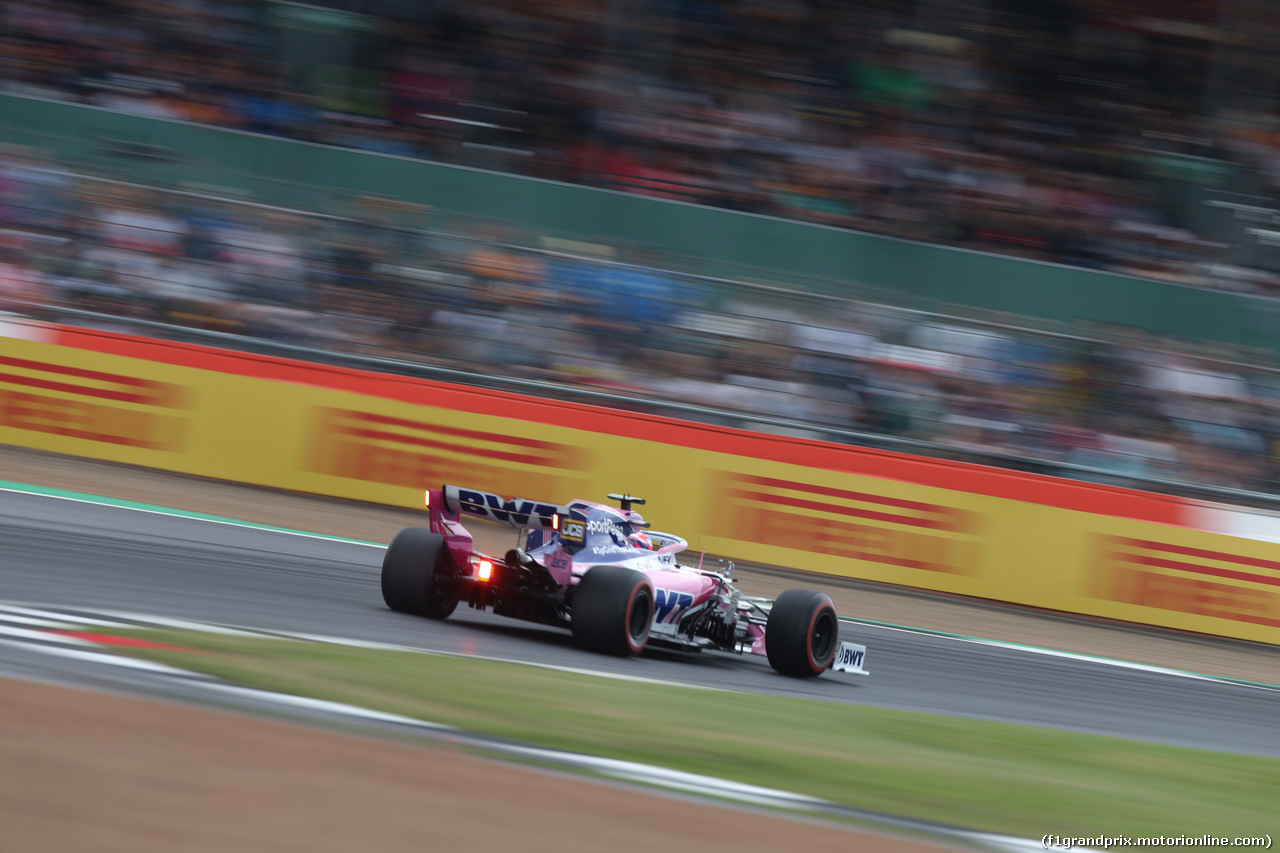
(602, 572)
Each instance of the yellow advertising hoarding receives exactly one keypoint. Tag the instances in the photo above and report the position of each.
(830, 509)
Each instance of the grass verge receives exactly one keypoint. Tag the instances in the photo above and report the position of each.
(997, 777)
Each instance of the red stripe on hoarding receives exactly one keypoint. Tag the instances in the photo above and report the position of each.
(78, 372)
(417, 441)
(1185, 551)
(1196, 568)
(81, 390)
(457, 432)
(830, 492)
(856, 512)
(1253, 618)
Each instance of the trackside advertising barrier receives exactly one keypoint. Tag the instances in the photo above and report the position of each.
(820, 507)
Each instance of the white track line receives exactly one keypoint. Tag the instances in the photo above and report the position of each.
(41, 636)
(6, 611)
(47, 624)
(1077, 656)
(325, 705)
(365, 644)
(102, 657)
(142, 620)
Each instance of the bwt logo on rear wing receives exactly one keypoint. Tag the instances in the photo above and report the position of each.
(516, 512)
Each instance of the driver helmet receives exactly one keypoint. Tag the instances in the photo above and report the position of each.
(641, 540)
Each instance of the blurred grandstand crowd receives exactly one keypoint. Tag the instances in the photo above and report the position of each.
(1025, 128)
(496, 301)
(968, 125)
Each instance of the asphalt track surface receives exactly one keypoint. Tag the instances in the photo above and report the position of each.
(69, 554)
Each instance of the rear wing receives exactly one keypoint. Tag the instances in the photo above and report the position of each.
(517, 512)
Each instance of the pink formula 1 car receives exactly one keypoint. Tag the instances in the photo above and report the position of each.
(603, 573)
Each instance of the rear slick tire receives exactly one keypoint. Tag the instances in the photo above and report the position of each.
(802, 633)
(415, 562)
(613, 611)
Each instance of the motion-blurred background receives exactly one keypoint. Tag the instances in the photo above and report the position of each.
(1038, 234)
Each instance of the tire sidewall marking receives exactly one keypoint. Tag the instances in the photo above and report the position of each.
(808, 638)
(631, 600)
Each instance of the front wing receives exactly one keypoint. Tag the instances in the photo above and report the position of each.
(850, 657)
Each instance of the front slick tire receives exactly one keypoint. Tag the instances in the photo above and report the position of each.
(415, 562)
(802, 633)
(613, 610)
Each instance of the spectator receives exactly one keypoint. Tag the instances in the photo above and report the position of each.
(21, 287)
(1030, 134)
